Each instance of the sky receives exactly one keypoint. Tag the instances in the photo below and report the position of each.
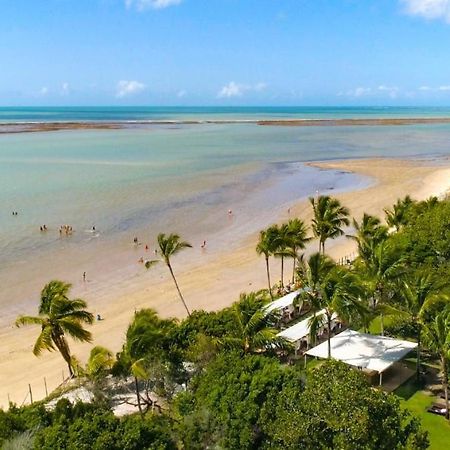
(225, 52)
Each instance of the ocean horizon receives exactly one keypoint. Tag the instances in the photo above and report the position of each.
(33, 114)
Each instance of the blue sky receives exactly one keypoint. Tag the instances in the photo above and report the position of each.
(225, 52)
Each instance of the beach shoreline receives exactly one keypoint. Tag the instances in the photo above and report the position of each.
(213, 282)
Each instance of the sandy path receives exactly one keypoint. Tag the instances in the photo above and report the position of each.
(215, 285)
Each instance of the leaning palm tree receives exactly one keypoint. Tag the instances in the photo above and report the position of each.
(169, 246)
(267, 246)
(59, 316)
(254, 330)
(437, 338)
(416, 297)
(297, 233)
(329, 218)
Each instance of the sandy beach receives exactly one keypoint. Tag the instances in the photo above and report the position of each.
(208, 283)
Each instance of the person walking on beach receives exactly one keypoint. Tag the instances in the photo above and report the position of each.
(84, 276)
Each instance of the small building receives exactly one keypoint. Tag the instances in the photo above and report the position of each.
(365, 351)
(298, 334)
(284, 304)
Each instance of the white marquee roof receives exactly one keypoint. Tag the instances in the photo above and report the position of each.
(282, 302)
(300, 329)
(364, 350)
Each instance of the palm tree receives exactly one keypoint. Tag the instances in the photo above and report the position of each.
(267, 245)
(334, 290)
(416, 296)
(100, 362)
(381, 271)
(397, 216)
(282, 249)
(58, 316)
(169, 246)
(254, 330)
(329, 218)
(437, 338)
(297, 239)
(369, 233)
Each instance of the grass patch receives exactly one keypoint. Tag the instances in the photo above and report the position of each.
(417, 402)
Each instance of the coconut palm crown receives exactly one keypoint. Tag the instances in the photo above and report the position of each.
(329, 218)
(58, 317)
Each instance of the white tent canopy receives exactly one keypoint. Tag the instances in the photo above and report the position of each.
(282, 302)
(301, 329)
(365, 351)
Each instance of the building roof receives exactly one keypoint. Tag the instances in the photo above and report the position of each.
(282, 302)
(300, 329)
(364, 350)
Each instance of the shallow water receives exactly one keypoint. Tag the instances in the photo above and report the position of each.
(184, 178)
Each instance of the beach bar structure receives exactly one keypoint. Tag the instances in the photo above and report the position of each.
(284, 304)
(298, 334)
(364, 351)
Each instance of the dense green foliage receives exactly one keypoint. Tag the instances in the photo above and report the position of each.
(219, 379)
(337, 409)
(85, 426)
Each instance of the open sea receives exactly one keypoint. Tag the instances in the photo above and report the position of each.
(178, 177)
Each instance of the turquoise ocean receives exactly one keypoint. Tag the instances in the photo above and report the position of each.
(136, 182)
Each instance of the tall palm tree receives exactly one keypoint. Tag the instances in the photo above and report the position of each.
(297, 239)
(338, 293)
(282, 249)
(415, 297)
(437, 339)
(254, 330)
(267, 246)
(397, 216)
(381, 272)
(329, 218)
(169, 246)
(58, 316)
(369, 233)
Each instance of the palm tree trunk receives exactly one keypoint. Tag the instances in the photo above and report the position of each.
(268, 277)
(178, 289)
(293, 264)
(382, 324)
(63, 348)
(138, 395)
(323, 248)
(282, 271)
(329, 335)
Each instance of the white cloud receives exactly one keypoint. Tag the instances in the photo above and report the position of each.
(65, 88)
(357, 92)
(233, 89)
(125, 88)
(392, 91)
(181, 93)
(429, 9)
(444, 88)
(43, 90)
(142, 5)
(425, 88)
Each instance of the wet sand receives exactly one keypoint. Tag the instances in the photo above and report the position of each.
(210, 278)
